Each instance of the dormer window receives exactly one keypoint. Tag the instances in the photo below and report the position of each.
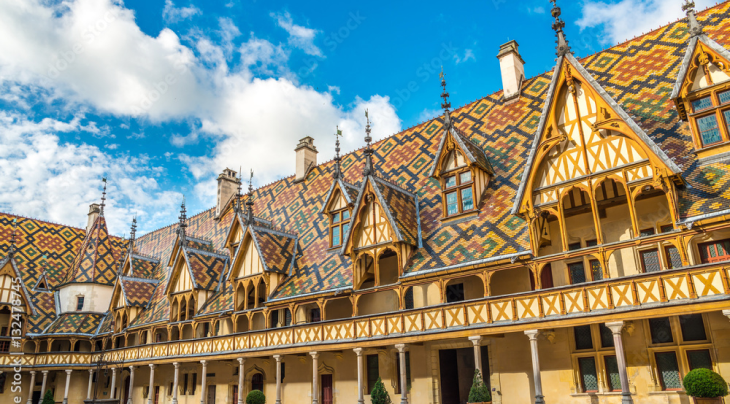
(339, 226)
(711, 118)
(458, 193)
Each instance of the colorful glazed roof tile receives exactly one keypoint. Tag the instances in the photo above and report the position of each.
(45, 305)
(276, 249)
(220, 302)
(137, 291)
(75, 324)
(401, 207)
(206, 268)
(473, 153)
(143, 267)
(96, 261)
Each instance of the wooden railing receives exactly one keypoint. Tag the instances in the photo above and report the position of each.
(630, 293)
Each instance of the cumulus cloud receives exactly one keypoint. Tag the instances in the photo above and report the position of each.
(173, 14)
(299, 36)
(468, 55)
(629, 18)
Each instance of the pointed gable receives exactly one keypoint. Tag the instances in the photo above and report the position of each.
(583, 131)
(456, 148)
(10, 290)
(96, 261)
(137, 292)
(206, 268)
(264, 250)
(340, 195)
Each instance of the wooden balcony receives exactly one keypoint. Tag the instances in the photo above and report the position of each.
(647, 295)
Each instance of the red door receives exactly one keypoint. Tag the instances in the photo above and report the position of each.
(235, 394)
(326, 395)
(157, 394)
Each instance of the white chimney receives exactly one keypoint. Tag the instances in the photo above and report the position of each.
(306, 158)
(227, 187)
(513, 69)
(93, 214)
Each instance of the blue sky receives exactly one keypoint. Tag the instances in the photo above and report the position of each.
(160, 96)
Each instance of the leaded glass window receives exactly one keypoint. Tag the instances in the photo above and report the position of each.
(588, 374)
(668, 370)
(583, 339)
(577, 273)
(596, 270)
(693, 327)
(467, 200)
(699, 359)
(606, 336)
(715, 251)
(709, 130)
(650, 260)
(451, 181)
(702, 104)
(727, 118)
(674, 260)
(661, 330)
(452, 206)
(724, 97)
(613, 378)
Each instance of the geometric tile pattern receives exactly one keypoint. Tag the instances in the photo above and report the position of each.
(402, 208)
(137, 292)
(96, 261)
(75, 323)
(143, 267)
(206, 268)
(221, 301)
(276, 249)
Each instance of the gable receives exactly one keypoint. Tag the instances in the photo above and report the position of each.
(248, 262)
(455, 151)
(10, 290)
(337, 201)
(371, 226)
(118, 300)
(182, 280)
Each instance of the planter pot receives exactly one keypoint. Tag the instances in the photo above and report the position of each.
(717, 400)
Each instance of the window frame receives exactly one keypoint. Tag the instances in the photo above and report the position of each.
(700, 246)
(80, 300)
(641, 253)
(458, 189)
(717, 109)
(339, 225)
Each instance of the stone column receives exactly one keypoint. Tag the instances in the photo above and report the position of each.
(403, 383)
(203, 393)
(68, 381)
(315, 373)
(175, 380)
(618, 343)
(360, 397)
(113, 393)
(151, 392)
(241, 362)
(32, 386)
(532, 334)
(278, 378)
(131, 384)
(91, 384)
(43, 386)
(477, 341)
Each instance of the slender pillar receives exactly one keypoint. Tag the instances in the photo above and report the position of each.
(43, 385)
(151, 392)
(113, 393)
(68, 381)
(532, 334)
(203, 392)
(477, 341)
(131, 384)
(91, 384)
(241, 363)
(360, 397)
(32, 386)
(175, 380)
(403, 383)
(315, 373)
(278, 378)
(618, 343)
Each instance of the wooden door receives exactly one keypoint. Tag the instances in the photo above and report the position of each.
(235, 394)
(449, 371)
(211, 395)
(326, 394)
(157, 394)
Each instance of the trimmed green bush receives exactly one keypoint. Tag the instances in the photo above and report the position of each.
(379, 395)
(255, 397)
(479, 392)
(704, 383)
(48, 398)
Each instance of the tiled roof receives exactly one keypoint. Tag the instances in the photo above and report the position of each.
(137, 292)
(96, 261)
(276, 249)
(143, 267)
(206, 268)
(75, 323)
(45, 306)
(402, 207)
(219, 302)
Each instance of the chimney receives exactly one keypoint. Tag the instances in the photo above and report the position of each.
(306, 158)
(513, 69)
(93, 214)
(227, 186)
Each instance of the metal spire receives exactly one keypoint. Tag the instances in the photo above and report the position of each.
(338, 171)
(558, 26)
(183, 224)
(368, 170)
(249, 202)
(103, 198)
(12, 237)
(237, 204)
(695, 28)
(133, 233)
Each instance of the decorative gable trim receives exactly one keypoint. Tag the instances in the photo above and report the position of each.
(9, 261)
(687, 62)
(337, 184)
(461, 142)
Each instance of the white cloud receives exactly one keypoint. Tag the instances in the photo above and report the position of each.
(299, 36)
(468, 55)
(173, 14)
(428, 114)
(626, 19)
(254, 114)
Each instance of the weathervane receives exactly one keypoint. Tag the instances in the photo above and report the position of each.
(558, 26)
(103, 198)
(338, 172)
(694, 26)
(368, 169)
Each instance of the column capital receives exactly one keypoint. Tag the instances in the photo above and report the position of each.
(91, 371)
(32, 372)
(152, 366)
(277, 358)
(241, 361)
(131, 368)
(176, 364)
(68, 371)
(114, 370)
(45, 372)
(204, 362)
(358, 351)
(400, 347)
(314, 355)
(615, 326)
(532, 334)
(476, 340)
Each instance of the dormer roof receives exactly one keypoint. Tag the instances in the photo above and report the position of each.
(473, 153)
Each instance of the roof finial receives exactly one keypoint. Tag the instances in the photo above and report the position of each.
(103, 198)
(133, 231)
(445, 95)
(338, 171)
(249, 202)
(695, 28)
(237, 204)
(183, 223)
(12, 237)
(368, 170)
(558, 25)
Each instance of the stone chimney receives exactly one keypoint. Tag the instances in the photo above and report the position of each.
(227, 187)
(93, 214)
(513, 69)
(306, 158)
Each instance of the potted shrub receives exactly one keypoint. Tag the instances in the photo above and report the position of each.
(479, 393)
(48, 398)
(255, 397)
(379, 395)
(705, 386)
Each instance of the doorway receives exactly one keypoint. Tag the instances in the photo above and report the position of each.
(456, 367)
(257, 382)
(211, 394)
(126, 390)
(235, 394)
(37, 396)
(326, 394)
(157, 394)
